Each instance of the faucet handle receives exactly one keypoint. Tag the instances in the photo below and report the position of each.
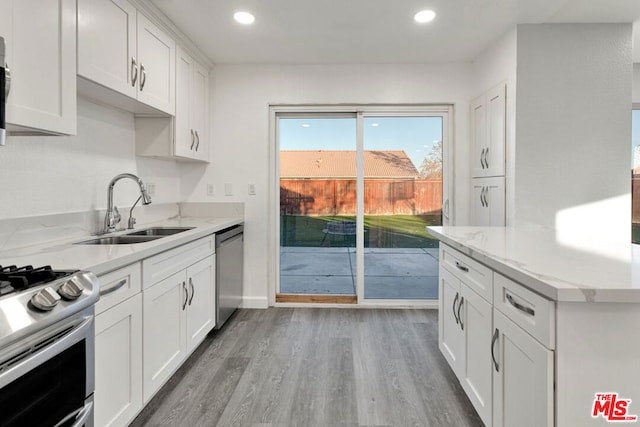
(116, 216)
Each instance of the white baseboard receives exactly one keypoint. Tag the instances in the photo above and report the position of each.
(254, 302)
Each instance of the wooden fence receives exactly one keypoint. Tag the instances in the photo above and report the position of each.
(381, 197)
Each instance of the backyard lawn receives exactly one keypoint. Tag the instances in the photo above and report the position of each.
(381, 231)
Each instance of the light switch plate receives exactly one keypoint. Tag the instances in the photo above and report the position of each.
(228, 189)
(210, 190)
(252, 189)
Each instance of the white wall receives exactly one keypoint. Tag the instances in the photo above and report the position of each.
(240, 132)
(574, 84)
(497, 64)
(48, 175)
(636, 83)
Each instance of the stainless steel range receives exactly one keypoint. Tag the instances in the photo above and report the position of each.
(46, 346)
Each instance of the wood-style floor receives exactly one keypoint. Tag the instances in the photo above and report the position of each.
(316, 367)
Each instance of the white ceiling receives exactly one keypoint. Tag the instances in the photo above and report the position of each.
(373, 31)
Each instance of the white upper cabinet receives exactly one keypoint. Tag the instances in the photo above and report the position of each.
(488, 132)
(107, 60)
(41, 55)
(184, 136)
(120, 49)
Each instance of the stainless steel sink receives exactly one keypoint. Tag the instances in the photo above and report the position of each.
(119, 240)
(160, 231)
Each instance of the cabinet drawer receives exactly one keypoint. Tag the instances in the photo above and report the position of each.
(119, 285)
(163, 265)
(478, 277)
(530, 311)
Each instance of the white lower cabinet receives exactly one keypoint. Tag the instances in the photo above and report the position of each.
(178, 309)
(164, 331)
(522, 377)
(118, 394)
(506, 371)
(488, 201)
(465, 336)
(475, 376)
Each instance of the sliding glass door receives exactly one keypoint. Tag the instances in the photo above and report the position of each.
(356, 190)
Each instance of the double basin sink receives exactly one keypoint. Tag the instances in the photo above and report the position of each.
(141, 236)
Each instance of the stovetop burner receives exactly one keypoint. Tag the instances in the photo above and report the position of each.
(16, 279)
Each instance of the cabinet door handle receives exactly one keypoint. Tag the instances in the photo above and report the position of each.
(454, 308)
(482, 159)
(113, 288)
(143, 76)
(484, 196)
(186, 295)
(193, 290)
(486, 157)
(462, 267)
(496, 333)
(482, 203)
(197, 140)
(519, 306)
(460, 318)
(193, 139)
(134, 71)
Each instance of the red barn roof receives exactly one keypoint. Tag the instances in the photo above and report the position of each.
(342, 164)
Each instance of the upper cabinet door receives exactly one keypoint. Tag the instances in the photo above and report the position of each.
(156, 67)
(488, 132)
(496, 131)
(107, 44)
(200, 111)
(40, 38)
(478, 134)
(185, 138)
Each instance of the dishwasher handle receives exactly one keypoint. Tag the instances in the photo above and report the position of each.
(228, 233)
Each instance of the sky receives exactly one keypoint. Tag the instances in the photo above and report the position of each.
(414, 135)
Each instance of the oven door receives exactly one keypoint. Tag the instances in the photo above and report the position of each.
(48, 379)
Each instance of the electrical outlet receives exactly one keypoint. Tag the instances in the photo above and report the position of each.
(151, 188)
(252, 189)
(210, 190)
(228, 189)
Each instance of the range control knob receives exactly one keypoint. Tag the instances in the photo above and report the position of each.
(70, 290)
(45, 299)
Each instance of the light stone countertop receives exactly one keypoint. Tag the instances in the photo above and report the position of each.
(64, 254)
(560, 266)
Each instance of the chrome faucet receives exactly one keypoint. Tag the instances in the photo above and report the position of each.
(112, 218)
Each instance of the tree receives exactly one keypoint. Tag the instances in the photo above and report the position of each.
(431, 166)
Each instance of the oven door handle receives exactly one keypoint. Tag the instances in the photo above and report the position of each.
(81, 416)
(80, 330)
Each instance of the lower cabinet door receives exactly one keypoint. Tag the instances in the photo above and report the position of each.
(118, 374)
(164, 340)
(450, 334)
(522, 377)
(200, 307)
(475, 376)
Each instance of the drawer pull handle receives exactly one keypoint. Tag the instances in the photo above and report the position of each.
(186, 295)
(462, 267)
(520, 307)
(496, 333)
(459, 307)
(113, 288)
(454, 309)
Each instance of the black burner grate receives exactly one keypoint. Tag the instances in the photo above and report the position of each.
(13, 278)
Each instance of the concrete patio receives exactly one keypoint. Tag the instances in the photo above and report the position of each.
(390, 273)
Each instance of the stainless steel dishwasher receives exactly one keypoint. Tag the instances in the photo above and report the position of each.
(229, 264)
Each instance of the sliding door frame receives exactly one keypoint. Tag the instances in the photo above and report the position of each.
(359, 112)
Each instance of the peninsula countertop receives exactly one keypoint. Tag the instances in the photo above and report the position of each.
(561, 267)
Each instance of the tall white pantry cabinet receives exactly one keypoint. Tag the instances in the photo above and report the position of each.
(488, 145)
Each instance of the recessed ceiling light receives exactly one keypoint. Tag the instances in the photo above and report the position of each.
(244, 18)
(424, 16)
(306, 125)
(375, 125)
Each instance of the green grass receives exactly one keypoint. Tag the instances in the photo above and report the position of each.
(382, 231)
